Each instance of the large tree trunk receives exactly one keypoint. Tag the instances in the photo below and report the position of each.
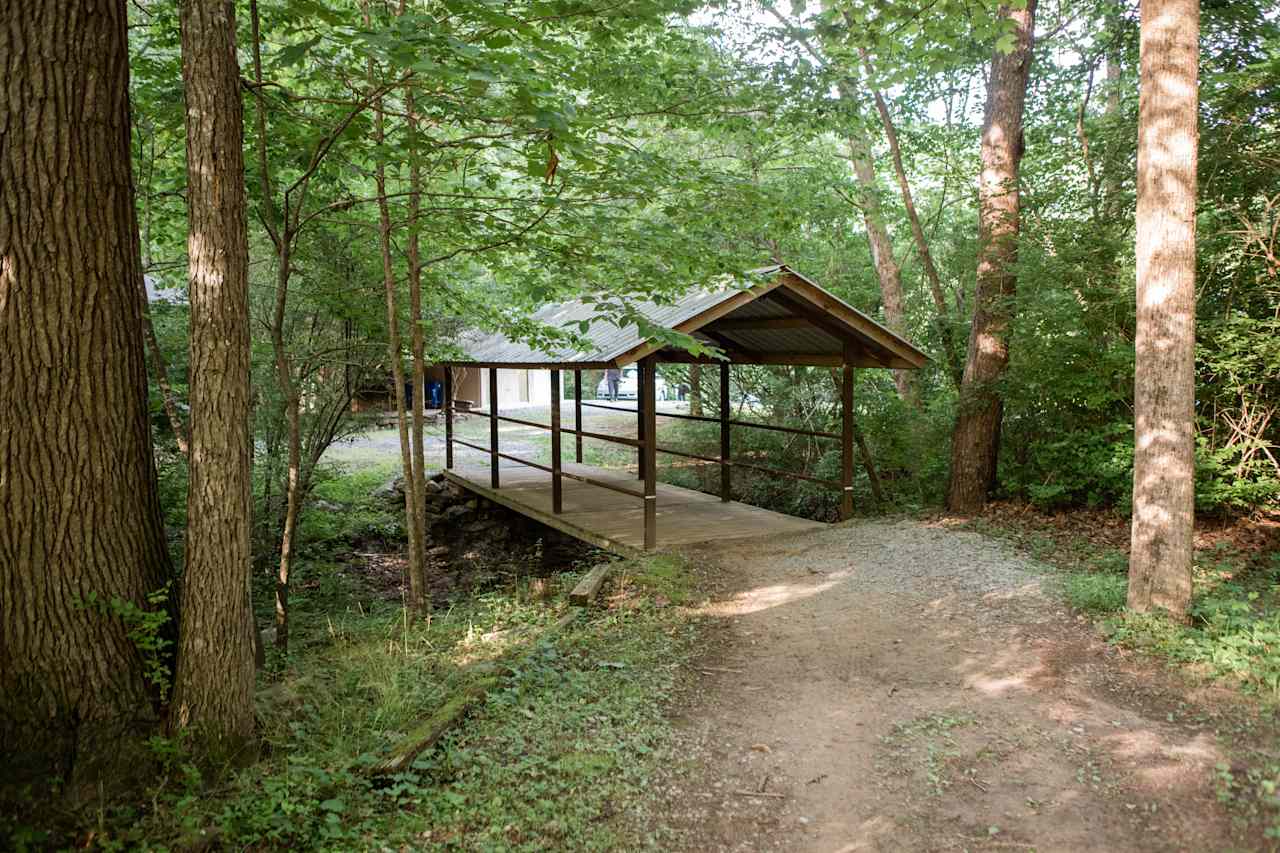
(1164, 370)
(213, 690)
(887, 270)
(976, 439)
(80, 523)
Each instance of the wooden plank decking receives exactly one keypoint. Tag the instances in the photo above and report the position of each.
(615, 521)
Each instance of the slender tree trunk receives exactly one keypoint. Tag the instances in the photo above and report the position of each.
(1164, 370)
(976, 439)
(159, 366)
(887, 270)
(394, 353)
(695, 390)
(213, 689)
(155, 355)
(281, 230)
(293, 422)
(80, 522)
(418, 479)
(950, 349)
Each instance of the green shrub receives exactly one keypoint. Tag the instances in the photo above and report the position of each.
(1234, 631)
(1095, 592)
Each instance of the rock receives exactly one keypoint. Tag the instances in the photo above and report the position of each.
(455, 514)
(326, 506)
(393, 488)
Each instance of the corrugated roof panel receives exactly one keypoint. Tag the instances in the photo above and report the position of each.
(802, 340)
(606, 343)
(604, 340)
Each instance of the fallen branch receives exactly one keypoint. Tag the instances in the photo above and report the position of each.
(761, 794)
(459, 705)
(426, 735)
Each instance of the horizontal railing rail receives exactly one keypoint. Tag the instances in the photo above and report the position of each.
(646, 442)
(616, 439)
(711, 460)
(816, 433)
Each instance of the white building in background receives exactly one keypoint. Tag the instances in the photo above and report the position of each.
(516, 388)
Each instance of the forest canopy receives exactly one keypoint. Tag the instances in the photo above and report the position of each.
(225, 225)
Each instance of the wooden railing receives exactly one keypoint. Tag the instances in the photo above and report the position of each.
(646, 441)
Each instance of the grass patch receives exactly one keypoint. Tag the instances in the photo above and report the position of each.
(557, 756)
(1095, 593)
(1234, 634)
(663, 577)
(342, 508)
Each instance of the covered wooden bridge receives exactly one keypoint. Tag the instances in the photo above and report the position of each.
(786, 319)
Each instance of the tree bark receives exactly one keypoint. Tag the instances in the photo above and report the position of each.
(417, 595)
(1164, 370)
(975, 441)
(887, 270)
(418, 478)
(213, 690)
(80, 524)
(695, 390)
(949, 348)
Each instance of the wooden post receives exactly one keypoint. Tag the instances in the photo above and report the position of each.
(557, 495)
(493, 427)
(846, 443)
(640, 421)
(726, 471)
(577, 415)
(649, 450)
(448, 417)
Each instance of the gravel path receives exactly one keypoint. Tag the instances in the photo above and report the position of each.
(902, 686)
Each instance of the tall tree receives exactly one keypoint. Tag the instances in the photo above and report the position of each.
(975, 441)
(395, 352)
(949, 348)
(213, 691)
(81, 539)
(1164, 369)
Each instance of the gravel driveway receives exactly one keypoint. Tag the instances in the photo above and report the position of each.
(888, 685)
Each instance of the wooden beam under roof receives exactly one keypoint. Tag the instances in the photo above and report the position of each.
(756, 324)
(811, 359)
(799, 288)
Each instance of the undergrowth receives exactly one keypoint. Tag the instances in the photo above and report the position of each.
(1232, 636)
(557, 756)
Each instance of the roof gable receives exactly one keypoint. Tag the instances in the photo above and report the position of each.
(787, 319)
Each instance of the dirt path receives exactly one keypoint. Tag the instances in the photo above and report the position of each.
(900, 686)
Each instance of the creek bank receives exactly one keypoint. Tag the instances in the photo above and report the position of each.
(484, 540)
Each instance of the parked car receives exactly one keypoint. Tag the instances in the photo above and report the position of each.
(629, 385)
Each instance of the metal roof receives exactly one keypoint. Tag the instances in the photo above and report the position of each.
(788, 319)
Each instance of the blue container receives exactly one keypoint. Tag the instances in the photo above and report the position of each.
(435, 394)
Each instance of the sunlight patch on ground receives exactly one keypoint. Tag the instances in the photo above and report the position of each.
(774, 595)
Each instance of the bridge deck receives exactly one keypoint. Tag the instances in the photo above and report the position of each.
(615, 521)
